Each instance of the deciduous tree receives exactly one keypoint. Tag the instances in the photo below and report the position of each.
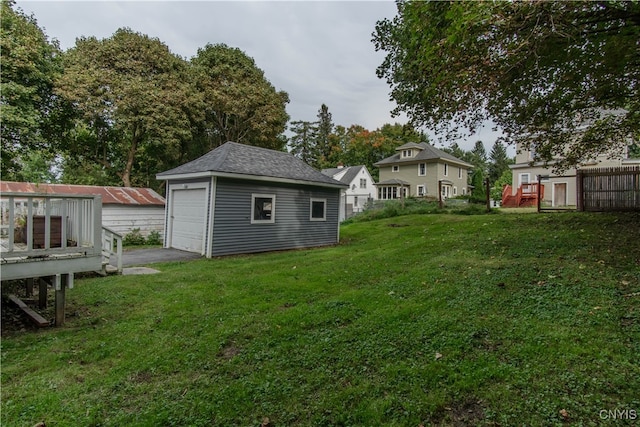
(136, 101)
(558, 77)
(32, 119)
(241, 105)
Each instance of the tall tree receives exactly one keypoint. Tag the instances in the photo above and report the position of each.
(241, 105)
(32, 119)
(498, 161)
(323, 140)
(302, 143)
(539, 70)
(136, 102)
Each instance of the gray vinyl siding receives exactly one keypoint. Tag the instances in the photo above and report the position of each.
(233, 232)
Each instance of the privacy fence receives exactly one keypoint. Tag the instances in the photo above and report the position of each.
(608, 189)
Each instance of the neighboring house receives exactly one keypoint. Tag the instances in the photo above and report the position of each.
(243, 199)
(418, 170)
(123, 208)
(558, 190)
(361, 188)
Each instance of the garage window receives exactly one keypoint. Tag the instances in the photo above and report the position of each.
(318, 210)
(263, 208)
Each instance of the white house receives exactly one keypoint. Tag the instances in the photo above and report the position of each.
(361, 188)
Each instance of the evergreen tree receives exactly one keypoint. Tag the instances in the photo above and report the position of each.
(303, 142)
(323, 141)
(498, 161)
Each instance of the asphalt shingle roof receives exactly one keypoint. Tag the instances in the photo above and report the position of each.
(428, 152)
(234, 158)
(350, 173)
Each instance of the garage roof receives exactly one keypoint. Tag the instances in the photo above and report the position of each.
(246, 161)
(110, 195)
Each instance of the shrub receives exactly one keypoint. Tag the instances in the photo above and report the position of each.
(134, 238)
(154, 238)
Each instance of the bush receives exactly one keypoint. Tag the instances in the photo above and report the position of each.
(134, 238)
(154, 238)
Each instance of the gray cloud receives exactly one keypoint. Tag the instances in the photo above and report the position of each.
(317, 51)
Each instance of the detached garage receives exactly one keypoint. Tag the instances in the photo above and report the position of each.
(243, 199)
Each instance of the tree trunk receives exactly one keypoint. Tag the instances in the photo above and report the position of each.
(126, 173)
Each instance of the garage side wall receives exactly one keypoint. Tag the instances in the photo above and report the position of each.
(233, 232)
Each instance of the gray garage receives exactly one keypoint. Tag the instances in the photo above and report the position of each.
(243, 199)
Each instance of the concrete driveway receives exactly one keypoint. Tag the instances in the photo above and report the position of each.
(154, 255)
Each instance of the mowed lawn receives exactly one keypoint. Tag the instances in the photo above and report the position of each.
(440, 319)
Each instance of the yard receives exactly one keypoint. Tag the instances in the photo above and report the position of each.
(437, 319)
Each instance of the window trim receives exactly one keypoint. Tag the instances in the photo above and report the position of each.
(324, 208)
(255, 196)
(423, 192)
(446, 169)
(395, 168)
(420, 171)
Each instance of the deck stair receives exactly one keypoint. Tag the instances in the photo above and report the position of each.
(526, 196)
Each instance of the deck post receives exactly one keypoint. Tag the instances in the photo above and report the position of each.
(29, 287)
(61, 281)
(42, 292)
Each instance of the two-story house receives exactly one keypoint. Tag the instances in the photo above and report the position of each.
(418, 170)
(361, 188)
(558, 190)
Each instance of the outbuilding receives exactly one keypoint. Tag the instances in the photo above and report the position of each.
(124, 209)
(244, 199)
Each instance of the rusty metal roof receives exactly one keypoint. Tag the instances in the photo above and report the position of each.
(110, 195)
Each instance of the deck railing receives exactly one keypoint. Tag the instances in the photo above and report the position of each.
(111, 245)
(36, 225)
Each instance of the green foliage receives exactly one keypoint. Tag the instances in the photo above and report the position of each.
(30, 117)
(499, 162)
(479, 192)
(136, 102)
(505, 179)
(539, 70)
(240, 105)
(413, 206)
(420, 319)
(134, 238)
(154, 238)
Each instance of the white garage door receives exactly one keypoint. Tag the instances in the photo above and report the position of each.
(188, 219)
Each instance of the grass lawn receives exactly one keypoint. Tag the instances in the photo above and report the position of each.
(440, 319)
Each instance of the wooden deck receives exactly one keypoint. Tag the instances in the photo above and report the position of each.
(50, 236)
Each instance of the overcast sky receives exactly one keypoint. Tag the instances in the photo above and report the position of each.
(316, 51)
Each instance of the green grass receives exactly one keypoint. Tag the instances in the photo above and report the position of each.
(422, 319)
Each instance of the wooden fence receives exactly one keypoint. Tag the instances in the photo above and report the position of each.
(608, 189)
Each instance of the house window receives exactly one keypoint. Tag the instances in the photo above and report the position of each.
(421, 191)
(459, 172)
(363, 183)
(386, 193)
(446, 169)
(263, 208)
(455, 191)
(395, 168)
(406, 153)
(422, 169)
(318, 210)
